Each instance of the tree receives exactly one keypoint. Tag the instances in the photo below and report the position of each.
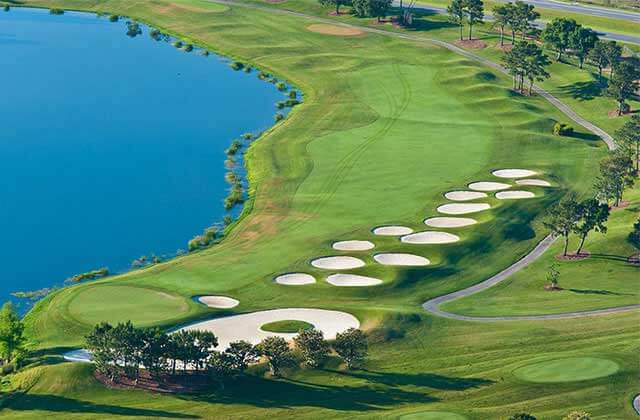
(203, 344)
(628, 137)
(577, 415)
(474, 10)
(313, 346)
(614, 54)
(502, 17)
(154, 350)
(621, 85)
(562, 218)
(373, 8)
(634, 235)
(593, 216)
(337, 3)
(553, 275)
(514, 60)
(133, 29)
(523, 17)
(456, 11)
(616, 174)
(557, 34)
(535, 65)
(239, 355)
(582, 41)
(100, 342)
(599, 56)
(352, 346)
(522, 416)
(277, 352)
(12, 340)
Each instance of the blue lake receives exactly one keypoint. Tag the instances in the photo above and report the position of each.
(111, 147)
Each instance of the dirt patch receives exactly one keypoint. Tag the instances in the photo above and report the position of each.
(621, 205)
(552, 288)
(572, 256)
(333, 14)
(614, 113)
(505, 47)
(326, 29)
(189, 382)
(472, 44)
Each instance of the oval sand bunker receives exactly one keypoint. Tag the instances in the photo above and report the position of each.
(295, 279)
(352, 280)
(462, 208)
(488, 186)
(464, 195)
(337, 263)
(247, 326)
(513, 173)
(534, 182)
(335, 30)
(514, 195)
(430, 237)
(401, 259)
(353, 245)
(449, 222)
(392, 230)
(220, 302)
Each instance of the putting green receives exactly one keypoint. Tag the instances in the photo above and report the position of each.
(432, 415)
(567, 370)
(286, 326)
(125, 302)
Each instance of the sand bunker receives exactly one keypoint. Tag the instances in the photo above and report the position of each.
(514, 195)
(457, 208)
(392, 230)
(295, 279)
(449, 222)
(513, 173)
(79, 355)
(353, 245)
(534, 182)
(337, 263)
(401, 259)
(247, 326)
(488, 186)
(352, 280)
(322, 28)
(464, 195)
(430, 237)
(220, 302)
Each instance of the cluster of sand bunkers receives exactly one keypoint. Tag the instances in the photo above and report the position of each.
(453, 216)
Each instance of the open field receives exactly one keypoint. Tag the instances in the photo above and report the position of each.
(387, 127)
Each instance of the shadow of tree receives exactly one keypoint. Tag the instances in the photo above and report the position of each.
(428, 380)
(421, 23)
(599, 292)
(583, 91)
(46, 402)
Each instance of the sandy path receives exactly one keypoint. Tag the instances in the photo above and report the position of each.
(295, 279)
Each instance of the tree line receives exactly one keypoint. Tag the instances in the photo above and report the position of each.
(617, 172)
(124, 350)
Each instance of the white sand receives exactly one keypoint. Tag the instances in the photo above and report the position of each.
(352, 280)
(401, 259)
(353, 245)
(392, 230)
(79, 355)
(464, 195)
(514, 195)
(488, 186)
(513, 173)
(430, 237)
(337, 263)
(247, 326)
(459, 208)
(221, 302)
(449, 222)
(534, 182)
(295, 279)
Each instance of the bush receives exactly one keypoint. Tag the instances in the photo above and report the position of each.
(263, 76)
(205, 53)
(561, 129)
(56, 11)
(236, 65)
(281, 86)
(634, 236)
(188, 48)
(6, 8)
(178, 44)
(625, 108)
(279, 117)
(247, 136)
(248, 69)
(280, 104)
(290, 103)
(114, 18)
(293, 94)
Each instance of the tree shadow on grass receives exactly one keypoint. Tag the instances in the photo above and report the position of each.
(421, 21)
(610, 257)
(583, 91)
(410, 276)
(599, 292)
(428, 380)
(290, 393)
(54, 403)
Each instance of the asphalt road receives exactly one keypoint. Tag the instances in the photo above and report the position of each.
(607, 35)
(587, 10)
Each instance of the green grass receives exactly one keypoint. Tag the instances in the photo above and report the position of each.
(432, 415)
(603, 280)
(567, 370)
(387, 126)
(286, 326)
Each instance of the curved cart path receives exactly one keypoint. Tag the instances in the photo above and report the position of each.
(433, 305)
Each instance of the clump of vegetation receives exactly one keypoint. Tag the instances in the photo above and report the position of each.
(279, 117)
(231, 177)
(235, 197)
(188, 48)
(227, 220)
(352, 346)
(561, 129)
(634, 235)
(6, 8)
(178, 44)
(312, 346)
(233, 148)
(140, 262)
(89, 275)
(34, 294)
(204, 53)
(577, 415)
(247, 136)
(133, 29)
(293, 94)
(281, 86)
(263, 75)
(248, 69)
(55, 11)
(230, 163)
(207, 238)
(12, 339)
(237, 65)
(281, 104)
(290, 103)
(553, 276)
(114, 18)
(522, 416)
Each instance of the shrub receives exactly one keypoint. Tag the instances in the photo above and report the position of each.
(577, 415)
(56, 11)
(114, 18)
(227, 220)
(178, 44)
(279, 117)
(247, 136)
(281, 86)
(205, 53)
(248, 69)
(233, 148)
(561, 129)
(280, 104)
(188, 48)
(290, 103)
(634, 236)
(262, 75)
(236, 65)
(6, 8)
(293, 94)
(522, 416)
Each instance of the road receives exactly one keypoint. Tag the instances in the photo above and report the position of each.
(607, 35)
(587, 10)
